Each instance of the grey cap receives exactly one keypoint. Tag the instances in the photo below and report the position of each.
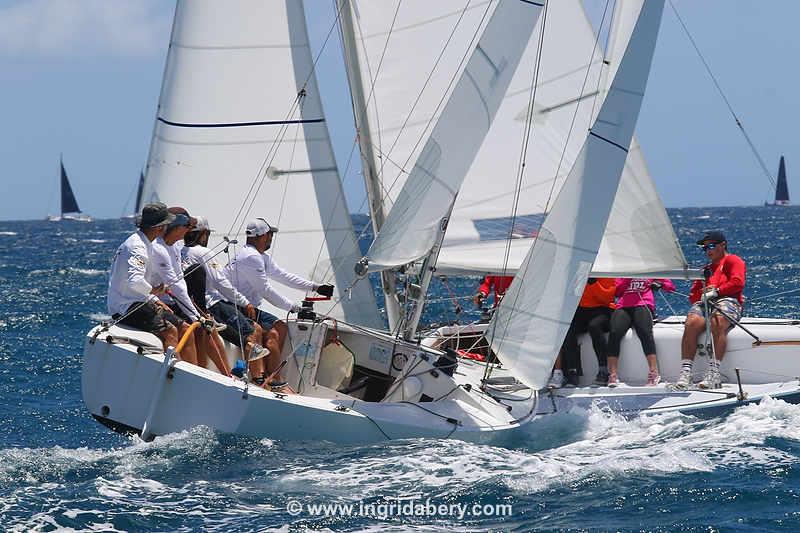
(154, 215)
(258, 227)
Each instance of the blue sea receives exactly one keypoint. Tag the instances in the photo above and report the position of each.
(62, 471)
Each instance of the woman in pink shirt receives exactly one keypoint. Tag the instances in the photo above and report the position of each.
(635, 306)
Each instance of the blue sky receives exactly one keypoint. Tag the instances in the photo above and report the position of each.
(82, 77)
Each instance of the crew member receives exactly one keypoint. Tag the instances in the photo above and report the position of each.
(593, 315)
(499, 283)
(723, 293)
(132, 299)
(251, 273)
(207, 282)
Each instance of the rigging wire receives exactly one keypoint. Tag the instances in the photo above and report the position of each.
(724, 97)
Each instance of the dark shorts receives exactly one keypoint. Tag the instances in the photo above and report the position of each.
(178, 313)
(266, 320)
(239, 326)
(147, 316)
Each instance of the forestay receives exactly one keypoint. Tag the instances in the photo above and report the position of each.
(572, 83)
(227, 121)
(531, 321)
(412, 227)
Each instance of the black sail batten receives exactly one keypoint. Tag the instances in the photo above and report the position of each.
(68, 202)
(782, 189)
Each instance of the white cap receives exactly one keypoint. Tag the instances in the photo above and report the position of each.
(258, 227)
(202, 225)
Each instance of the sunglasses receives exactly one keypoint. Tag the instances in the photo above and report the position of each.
(709, 246)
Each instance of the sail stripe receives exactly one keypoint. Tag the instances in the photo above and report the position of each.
(241, 124)
(540, 4)
(609, 141)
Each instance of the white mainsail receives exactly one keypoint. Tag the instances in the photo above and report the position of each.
(399, 47)
(227, 121)
(415, 220)
(530, 323)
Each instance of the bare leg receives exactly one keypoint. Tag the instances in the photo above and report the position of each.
(169, 337)
(201, 342)
(719, 330)
(694, 326)
(613, 362)
(652, 363)
(275, 339)
(189, 351)
(217, 353)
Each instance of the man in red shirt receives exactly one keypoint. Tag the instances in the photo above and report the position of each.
(499, 283)
(725, 278)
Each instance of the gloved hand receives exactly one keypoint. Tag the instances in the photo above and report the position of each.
(295, 309)
(710, 295)
(325, 290)
(656, 285)
(478, 298)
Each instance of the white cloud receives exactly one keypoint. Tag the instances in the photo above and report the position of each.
(84, 27)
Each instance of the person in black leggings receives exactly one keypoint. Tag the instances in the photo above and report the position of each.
(636, 307)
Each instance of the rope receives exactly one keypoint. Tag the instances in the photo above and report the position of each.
(724, 98)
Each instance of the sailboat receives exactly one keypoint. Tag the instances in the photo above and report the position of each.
(137, 206)
(69, 205)
(272, 141)
(782, 188)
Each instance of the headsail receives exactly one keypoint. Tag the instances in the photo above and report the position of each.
(531, 321)
(241, 133)
(68, 202)
(414, 223)
(639, 236)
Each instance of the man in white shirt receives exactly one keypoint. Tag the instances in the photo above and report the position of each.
(168, 270)
(251, 273)
(207, 283)
(132, 298)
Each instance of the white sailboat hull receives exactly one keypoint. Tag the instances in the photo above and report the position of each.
(150, 394)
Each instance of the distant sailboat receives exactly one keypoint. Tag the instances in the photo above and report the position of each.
(137, 206)
(782, 189)
(69, 205)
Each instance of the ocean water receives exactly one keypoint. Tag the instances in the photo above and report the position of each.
(61, 470)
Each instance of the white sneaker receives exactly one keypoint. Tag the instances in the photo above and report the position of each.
(556, 380)
(712, 380)
(684, 380)
(258, 352)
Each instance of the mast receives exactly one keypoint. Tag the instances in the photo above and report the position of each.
(371, 178)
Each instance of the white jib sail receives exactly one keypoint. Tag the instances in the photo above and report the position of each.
(227, 122)
(412, 226)
(639, 236)
(532, 320)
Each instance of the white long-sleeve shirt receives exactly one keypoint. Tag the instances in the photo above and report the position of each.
(218, 287)
(251, 273)
(128, 283)
(166, 263)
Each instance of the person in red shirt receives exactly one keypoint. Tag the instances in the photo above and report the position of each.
(499, 283)
(725, 277)
(593, 316)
